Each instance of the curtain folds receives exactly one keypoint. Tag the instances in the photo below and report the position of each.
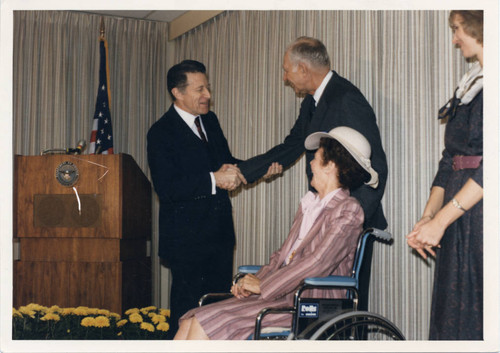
(405, 65)
(56, 72)
(403, 62)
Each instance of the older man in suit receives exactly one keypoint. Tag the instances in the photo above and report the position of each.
(188, 157)
(330, 101)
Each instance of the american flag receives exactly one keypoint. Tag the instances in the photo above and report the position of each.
(101, 139)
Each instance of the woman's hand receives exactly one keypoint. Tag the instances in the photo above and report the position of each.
(426, 235)
(246, 286)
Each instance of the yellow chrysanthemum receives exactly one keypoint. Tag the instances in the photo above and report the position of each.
(36, 307)
(115, 315)
(25, 311)
(147, 326)
(103, 312)
(92, 311)
(16, 312)
(165, 312)
(163, 326)
(81, 311)
(66, 311)
(121, 323)
(132, 311)
(135, 318)
(51, 317)
(148, 309)
(102, 321)
(88, 322)
(119, 334)
(156, 319)
(54, 308)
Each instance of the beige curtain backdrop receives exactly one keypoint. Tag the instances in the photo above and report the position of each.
(403, 62)
(56, 74)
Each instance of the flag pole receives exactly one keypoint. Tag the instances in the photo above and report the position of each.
(101, 137)
(102, 27)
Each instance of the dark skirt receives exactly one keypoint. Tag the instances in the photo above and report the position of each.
(457, 299)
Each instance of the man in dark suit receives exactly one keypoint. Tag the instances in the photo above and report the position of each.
(189, 156)
(330, 101)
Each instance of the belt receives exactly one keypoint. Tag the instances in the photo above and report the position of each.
(466, 162)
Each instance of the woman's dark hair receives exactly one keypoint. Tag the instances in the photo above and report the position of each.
(176, 76)
(351, 174)
(472, 22)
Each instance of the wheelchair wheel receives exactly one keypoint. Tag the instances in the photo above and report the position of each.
(356, 326)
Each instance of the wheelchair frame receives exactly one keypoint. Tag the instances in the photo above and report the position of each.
(351, 325)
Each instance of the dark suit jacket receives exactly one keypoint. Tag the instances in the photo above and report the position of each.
(192, 220)
(341, 104)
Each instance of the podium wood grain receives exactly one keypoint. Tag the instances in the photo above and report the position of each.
(94, 258)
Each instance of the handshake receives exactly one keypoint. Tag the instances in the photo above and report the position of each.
(229, 176)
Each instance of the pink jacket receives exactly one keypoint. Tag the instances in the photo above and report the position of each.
(327, 249)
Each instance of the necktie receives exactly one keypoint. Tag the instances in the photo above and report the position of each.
(200, 131)
(312, 108)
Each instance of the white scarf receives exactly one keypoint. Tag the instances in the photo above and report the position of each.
(470, 84)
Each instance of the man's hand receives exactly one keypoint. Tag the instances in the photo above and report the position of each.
(274, 169)
(229, 177)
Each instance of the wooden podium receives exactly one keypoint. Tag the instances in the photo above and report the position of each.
(82, 243)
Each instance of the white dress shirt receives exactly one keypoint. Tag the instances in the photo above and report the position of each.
(319, 92)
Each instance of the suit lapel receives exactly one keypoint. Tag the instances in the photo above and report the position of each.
(322, 107)
(180, 126)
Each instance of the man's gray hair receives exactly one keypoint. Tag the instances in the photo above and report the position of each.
(310, 50)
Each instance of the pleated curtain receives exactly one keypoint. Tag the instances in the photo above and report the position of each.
(402, 61)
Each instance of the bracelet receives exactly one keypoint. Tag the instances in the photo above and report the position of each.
(457, 205)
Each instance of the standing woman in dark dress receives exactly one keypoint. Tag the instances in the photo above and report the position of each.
(451, 227)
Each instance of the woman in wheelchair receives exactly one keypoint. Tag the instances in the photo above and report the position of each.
(321, 242)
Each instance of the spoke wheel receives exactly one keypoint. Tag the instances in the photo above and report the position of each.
(358, 326)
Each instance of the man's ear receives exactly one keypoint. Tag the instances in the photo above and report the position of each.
(176, 92)
(302, 67)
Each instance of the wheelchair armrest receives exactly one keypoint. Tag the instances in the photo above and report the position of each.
(253, 269)
(331, 281)
(245, 270)
(213, 297)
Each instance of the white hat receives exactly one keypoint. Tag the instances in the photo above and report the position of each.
(354, 142)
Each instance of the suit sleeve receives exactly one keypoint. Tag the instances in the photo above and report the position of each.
(336, 241)
(286, 153)
(222, 145)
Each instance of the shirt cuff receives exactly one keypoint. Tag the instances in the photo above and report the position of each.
(212, 176)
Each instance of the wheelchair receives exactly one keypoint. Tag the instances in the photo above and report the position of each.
(324, 319)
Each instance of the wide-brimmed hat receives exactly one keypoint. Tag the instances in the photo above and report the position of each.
(354, 142)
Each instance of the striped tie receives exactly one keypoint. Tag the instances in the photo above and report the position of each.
(200, 131)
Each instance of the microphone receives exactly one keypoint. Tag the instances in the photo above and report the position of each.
(79, 148)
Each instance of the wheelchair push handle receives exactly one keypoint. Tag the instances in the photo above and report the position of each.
(380, 234)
